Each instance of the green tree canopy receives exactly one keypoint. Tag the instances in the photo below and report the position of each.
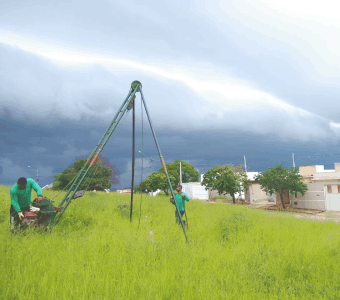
(189, 174)
(140, 187)
(98, 177)
(226, 179)
(157, 180)
(277, 179)
(114, 178)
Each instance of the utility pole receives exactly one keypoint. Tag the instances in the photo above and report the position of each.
(245, 164)
(180, 173)
(293, 160)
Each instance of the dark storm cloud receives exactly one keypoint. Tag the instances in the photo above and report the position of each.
(203, 150)
(5, 138)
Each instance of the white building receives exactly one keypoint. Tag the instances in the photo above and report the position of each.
(155, 193)
(323, 188)
(49, 186)
(195, 190)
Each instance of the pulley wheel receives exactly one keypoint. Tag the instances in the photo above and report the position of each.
(135, 84)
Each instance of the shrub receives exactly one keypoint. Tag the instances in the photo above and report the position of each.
(234, 224)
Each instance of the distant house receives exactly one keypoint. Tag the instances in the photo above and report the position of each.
(323, 188)
(126, 191)
(155, 193)
(49, 186)
(254, 194)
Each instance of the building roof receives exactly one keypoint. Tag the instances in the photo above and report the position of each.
(318, 172)
(252, 175)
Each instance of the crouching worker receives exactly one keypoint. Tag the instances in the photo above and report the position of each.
(21, 199)
(180, 199)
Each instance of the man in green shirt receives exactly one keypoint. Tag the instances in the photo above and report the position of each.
(180, 200)
(21, 199)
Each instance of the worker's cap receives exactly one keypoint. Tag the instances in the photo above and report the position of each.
(178, 186)
(22, 180)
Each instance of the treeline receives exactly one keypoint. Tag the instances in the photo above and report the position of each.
(227, 179)
(158, 180)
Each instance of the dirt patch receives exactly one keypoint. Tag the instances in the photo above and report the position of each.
(307, 214)
(299, 213)
(229, 201)
(291, 209)
(325, 216)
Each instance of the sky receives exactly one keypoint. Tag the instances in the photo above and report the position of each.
(221, 79)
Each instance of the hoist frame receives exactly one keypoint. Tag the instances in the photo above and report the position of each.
(128, 103)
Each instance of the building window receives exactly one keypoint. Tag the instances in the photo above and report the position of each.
(329, 189)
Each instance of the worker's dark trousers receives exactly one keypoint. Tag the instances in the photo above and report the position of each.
(177, 217)
(14, 220)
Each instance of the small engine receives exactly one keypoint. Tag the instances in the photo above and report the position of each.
(30, 219)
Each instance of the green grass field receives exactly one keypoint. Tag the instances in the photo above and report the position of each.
(234, 253)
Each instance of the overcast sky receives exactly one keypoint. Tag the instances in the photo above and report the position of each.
(222, 79)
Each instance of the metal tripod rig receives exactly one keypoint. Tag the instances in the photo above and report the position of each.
(128, 103)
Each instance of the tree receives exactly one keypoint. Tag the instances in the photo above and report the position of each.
(140, 187)
(226, 179)
(189, 174)
(62, 179)
(157, 180)
(114, 178)
(277, 179)
(98, 177)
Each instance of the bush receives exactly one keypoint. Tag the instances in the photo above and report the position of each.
(124, 209)
(232, 225)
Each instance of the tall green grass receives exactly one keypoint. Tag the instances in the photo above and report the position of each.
(234, 253)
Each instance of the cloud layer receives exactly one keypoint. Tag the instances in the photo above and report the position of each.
(221, 79)
(37, 90)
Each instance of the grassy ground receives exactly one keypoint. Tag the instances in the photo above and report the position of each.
(234, 253)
